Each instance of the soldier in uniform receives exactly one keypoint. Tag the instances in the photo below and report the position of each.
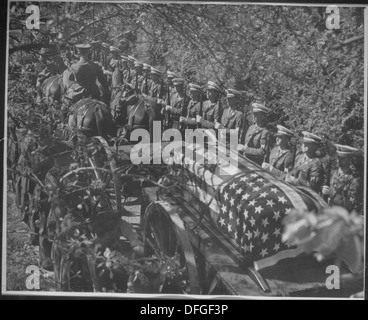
(171, 91)
(137, 82)
(51, 64)
(125, 68)
(179, 107)
(86, 72)
(194, 106)
(346, 186)
(308, 170)
(156, 89)
(116, 68)
(115, 61)
(257, 137)
(130, 75)
(147, 78)
(281, 157)
(212, 109)
(232, 118)
(105, 56)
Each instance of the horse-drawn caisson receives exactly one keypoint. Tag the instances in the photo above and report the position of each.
(219, 222)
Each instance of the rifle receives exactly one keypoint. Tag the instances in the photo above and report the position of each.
(294, 154)
(167, 119)
(183, 112)
(266, 157)
(145, 91)
(136, 82)
(200, 112)
(327, 165)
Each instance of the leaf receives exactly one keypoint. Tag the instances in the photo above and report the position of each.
(352, 253)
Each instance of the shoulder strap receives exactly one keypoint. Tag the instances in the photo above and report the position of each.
(280, 157)
(73, 72)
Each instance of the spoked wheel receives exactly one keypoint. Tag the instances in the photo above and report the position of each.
(165, 237)
(101, 159)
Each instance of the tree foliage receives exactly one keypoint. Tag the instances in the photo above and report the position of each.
(282, 55)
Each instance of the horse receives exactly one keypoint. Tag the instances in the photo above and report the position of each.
(52, 88)
(138, 111)
(90, 117)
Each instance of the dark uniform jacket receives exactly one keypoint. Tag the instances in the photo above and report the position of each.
(309, 172)
(191, 114)
(171, 92)
(347, 191)
(116, 78)
(179, 108)
(232, 119)
(211, 113)
(256, 142)
(138, 82)
(146, 84)
(281, 160)
(156, 91)
(128, 75)
(86, 73)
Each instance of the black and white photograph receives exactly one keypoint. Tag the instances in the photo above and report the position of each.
(185, 149)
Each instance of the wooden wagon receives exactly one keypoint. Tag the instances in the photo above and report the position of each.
(179, 221)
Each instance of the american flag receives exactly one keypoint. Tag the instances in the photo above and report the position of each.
(248, 205)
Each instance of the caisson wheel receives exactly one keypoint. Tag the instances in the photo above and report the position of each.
(165, 237)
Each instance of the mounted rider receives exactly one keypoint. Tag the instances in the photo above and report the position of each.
(50, 64)
(85, 73)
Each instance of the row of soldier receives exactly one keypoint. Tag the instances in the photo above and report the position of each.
(204, 107)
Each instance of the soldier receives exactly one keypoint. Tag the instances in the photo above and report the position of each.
(115, 61)
(281, 157)
(116, 67)
(171, 91)
(257, 137)
(137, 82)
(194, 106)
(308, 171)
(179, 107)
(130, 70)
(147, 82)
(346, 186)
(156, 89)
(105, 56)
(50, 64)
(86, 72)
(212, 109)
(232, 118)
